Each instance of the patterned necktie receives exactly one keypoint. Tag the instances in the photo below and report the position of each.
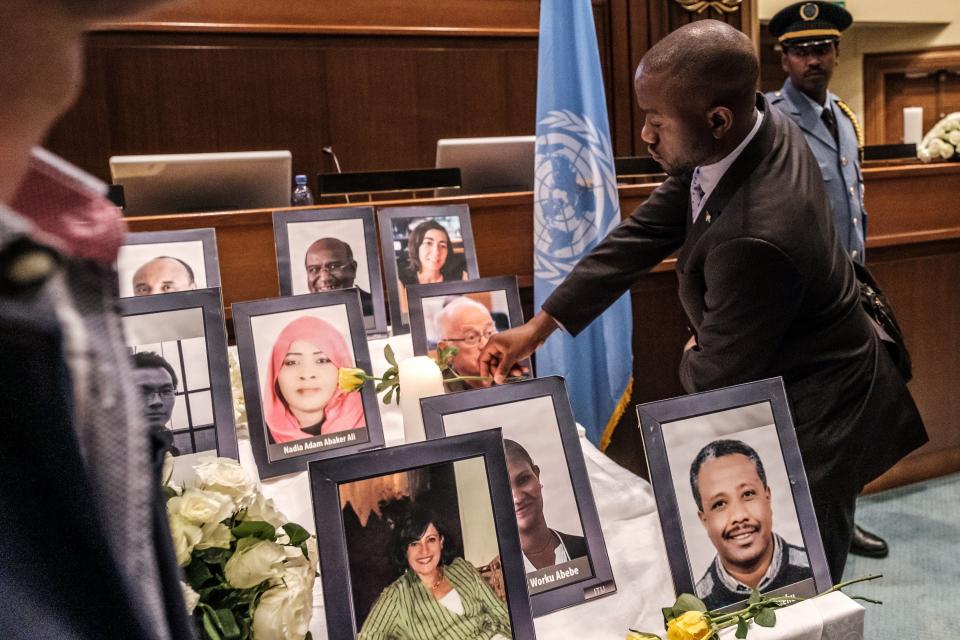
(696, 193)
(828, 119)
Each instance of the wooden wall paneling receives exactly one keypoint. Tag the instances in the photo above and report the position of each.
(921, 285)
(381, 102)
(623, 60)
(357, 16)
(880, 85)
(901, 90)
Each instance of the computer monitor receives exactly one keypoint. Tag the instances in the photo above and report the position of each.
(192, 182)
(489, 165)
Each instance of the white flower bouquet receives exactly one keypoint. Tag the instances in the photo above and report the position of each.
(250, 573)
(942, 142)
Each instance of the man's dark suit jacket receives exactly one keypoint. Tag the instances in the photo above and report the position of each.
(768, 291)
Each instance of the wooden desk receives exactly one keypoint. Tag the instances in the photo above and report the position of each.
(913, 249)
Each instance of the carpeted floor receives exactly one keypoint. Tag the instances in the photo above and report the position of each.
(920, 588)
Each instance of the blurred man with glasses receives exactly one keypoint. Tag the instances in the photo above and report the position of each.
(156, 380)
(330, 266)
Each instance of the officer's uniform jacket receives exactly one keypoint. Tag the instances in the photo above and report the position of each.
(840, 167)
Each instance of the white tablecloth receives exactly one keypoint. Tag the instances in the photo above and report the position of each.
(634, 541)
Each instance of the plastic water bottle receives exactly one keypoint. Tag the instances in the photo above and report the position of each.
(301, 193)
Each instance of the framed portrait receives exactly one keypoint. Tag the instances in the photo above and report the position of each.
(152, 262)
(564, 554)
(732, 494)
(328, 249)
(420, 541)
(291, 351)
(422, 245)
(463, 314)
(178, 353)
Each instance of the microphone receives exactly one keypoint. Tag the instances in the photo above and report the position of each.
(328, 149)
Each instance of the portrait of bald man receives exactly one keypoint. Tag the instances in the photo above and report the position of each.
(330, 265)
(163, 274)
(467, 325)
(733, 498)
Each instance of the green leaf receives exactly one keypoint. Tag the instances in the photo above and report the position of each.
(198, 574)
(766, 618)
(298, 535)
(742, 626)
(688, 602)
(309, 636)
(210, 624)
(388, 396)
(388, 354)
(255, 529)
(168, 492)
(228, 624)
(668, 614)
(755, 596)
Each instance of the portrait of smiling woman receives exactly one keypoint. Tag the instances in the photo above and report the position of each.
(438, 595)
(301, 398)
(430, 256)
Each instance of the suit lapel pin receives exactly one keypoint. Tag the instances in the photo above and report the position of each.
(708, 217)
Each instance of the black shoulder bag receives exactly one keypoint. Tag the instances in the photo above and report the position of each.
(878, 308)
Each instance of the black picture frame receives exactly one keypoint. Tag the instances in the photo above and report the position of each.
(210, 307)
(505, 316)
(375, 316)
(689, 423)
(275, 459)
(498, 408)
(393, 247)
(136, 243)
(327, 476)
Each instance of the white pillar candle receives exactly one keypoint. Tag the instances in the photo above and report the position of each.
(420, 377)
(912, 125)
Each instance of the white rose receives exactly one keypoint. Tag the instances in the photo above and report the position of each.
(202, 506)
(947, 151)
(923, 154)
(186, 535)
(934, 145)
(283, 614)
(253, 562)
(215, 535)
(190, 597)
(954, 137)
(225, 476)
(263, 509)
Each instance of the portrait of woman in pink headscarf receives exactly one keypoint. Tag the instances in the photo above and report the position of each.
(301, 398)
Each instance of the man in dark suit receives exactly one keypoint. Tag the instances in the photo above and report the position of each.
(87, 551)
(766, 286)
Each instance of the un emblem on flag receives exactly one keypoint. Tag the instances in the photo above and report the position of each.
(575, 192)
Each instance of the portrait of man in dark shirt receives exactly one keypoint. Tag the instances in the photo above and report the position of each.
(734, 505)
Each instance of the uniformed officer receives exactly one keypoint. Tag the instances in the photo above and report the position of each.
(809, 36)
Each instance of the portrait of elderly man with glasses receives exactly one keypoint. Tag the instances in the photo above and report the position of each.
(156, 381)
(466, 324)
(330, 265)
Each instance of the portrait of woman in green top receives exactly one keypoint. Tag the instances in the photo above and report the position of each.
(438, 597)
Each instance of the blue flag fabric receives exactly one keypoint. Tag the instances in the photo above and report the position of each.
(575, 206)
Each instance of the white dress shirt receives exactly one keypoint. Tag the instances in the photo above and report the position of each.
(707, 176)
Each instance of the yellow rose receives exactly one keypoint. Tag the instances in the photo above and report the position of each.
(692, 625)
(351, 379)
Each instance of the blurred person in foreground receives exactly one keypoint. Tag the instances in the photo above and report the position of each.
(87, 550)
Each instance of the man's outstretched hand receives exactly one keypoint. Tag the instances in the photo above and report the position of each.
(502, 352)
